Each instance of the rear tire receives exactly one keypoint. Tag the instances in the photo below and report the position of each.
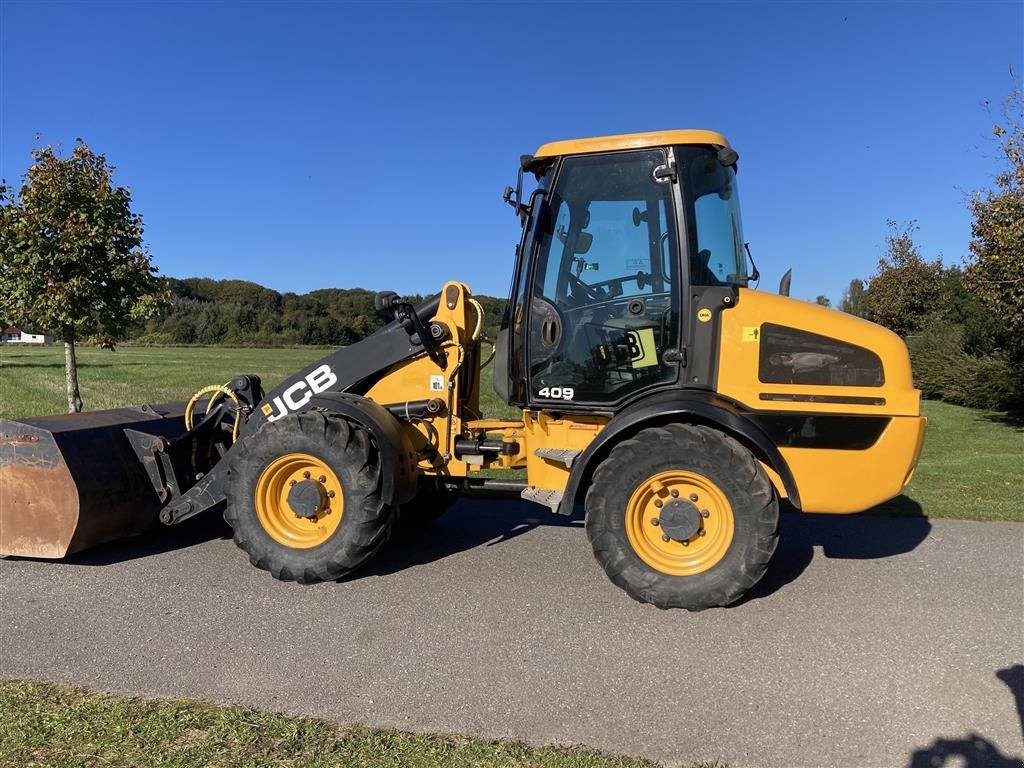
(432, 500)
(339, 461)
(705, 489)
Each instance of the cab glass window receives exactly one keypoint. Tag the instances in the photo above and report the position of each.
(719, 257)
(604, 301)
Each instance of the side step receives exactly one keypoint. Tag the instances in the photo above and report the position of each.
(563, 456)
(551, 499)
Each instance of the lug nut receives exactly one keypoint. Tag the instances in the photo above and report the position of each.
(693, 497)
(330, 494)
(322, 479)
(675, 494)
(657, 503)
(705, 513)
(306, 475)
(655, 521)
(313, 519)
(666, 537)
(686, 542)
(702, 532)
(291, 482)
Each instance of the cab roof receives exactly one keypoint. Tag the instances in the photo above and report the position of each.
(631, 141)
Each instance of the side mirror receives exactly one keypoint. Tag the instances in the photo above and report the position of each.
(638, 217)
(385, 303)
(785, 282)
(583, 242)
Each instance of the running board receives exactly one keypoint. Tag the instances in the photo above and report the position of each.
(550, 499)
(563, 456)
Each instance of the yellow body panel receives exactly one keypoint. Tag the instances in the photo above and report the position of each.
(837, 481)
(631, 141)
(843, 482)
(567, 432)
(739, 350)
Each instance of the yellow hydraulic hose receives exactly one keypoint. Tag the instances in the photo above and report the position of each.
(479, 330)
(217, 391)
(479, 318)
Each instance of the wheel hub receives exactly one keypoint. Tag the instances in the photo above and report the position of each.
(680, 520)
(307, 498)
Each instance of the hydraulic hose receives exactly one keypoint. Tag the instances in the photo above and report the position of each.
(216, 391)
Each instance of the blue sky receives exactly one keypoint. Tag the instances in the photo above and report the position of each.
(326, 144)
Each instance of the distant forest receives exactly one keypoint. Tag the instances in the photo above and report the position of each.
(238, 312)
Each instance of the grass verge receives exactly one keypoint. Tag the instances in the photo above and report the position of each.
(971, 468)
(50, 725)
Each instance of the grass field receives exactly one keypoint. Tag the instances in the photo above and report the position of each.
(59, 727)
(32, 378)
(972, 466)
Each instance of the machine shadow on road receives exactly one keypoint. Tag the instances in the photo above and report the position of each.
(843, 537)
(491, 522)
(475, 521)
(156, 541)
(470, 523)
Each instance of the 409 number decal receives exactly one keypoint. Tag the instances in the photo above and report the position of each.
(558, 393)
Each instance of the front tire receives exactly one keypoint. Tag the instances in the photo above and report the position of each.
(682, 516)
(304, 498)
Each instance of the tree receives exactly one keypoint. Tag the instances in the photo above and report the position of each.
(73, 260)
(996, 273)
(823, 301)
(906, 288)
(855, 299)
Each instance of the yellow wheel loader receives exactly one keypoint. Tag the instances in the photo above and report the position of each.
(658, 391)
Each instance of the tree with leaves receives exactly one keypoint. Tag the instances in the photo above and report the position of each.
(72, 260)
(996, 271)
(855, 299)
(905, 289)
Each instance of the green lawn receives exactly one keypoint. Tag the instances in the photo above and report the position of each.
(32, 378)
(61, 727)
(972, 466)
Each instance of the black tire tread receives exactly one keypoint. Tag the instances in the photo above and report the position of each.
(366, 522)
(715, 454)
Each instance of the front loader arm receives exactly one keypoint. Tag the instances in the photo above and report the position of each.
(349, 370)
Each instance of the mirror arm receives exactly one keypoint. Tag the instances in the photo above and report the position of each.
(755, 275)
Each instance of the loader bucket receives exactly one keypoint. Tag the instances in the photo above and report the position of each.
(74, 481)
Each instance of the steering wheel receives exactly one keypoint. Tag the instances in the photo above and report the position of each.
(587, 290)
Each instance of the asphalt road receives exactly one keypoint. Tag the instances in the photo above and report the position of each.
(871, 641)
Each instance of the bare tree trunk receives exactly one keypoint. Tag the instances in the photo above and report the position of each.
(71, 372)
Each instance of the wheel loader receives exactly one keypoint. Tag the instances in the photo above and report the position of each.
(661, 396)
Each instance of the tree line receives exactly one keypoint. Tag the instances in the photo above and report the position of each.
(963, 324)
(238, 312)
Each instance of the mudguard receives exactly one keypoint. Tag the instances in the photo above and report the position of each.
(696, 406)
(397, 457)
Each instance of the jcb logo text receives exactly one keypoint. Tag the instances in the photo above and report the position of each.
(300, 393)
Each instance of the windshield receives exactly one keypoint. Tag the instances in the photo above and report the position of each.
(718, 258)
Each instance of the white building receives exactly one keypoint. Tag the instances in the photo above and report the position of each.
(18, 336)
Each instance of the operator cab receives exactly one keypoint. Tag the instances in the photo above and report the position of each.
(617, 237)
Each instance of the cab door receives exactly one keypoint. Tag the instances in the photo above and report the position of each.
(603, 306)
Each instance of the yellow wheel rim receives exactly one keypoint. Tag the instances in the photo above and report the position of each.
(696, 500)
(275, 513)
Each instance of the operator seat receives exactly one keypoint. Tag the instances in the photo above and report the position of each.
(700, 272)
